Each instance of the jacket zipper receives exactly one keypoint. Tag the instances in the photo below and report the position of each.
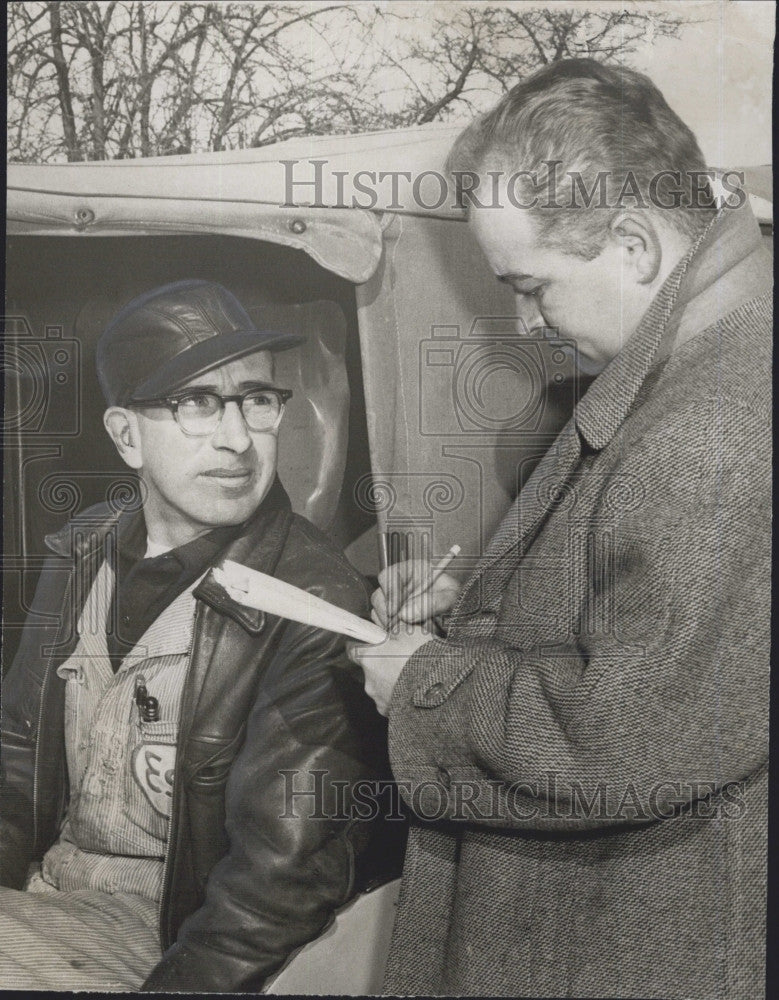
(39, 732)
(177, 793)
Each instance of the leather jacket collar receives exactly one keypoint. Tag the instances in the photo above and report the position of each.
(257, 546)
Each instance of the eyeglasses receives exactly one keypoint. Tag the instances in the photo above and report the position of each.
(199, 411)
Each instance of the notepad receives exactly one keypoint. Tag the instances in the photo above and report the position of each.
(265, 593)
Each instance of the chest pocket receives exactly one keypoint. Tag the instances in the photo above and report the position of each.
(153, 763)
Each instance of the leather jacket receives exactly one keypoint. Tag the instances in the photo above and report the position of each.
(269, 705)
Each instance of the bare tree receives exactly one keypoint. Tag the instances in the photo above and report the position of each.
(97, 80)
(147, 78)
(461, 63)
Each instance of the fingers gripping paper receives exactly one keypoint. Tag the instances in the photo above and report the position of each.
(266, 593)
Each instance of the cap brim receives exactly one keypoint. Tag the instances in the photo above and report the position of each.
(209, 354)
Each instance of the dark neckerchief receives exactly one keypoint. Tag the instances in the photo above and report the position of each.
(145, 587)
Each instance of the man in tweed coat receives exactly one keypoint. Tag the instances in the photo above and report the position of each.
(586, 749)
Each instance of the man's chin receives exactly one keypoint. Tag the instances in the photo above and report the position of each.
(230, 510)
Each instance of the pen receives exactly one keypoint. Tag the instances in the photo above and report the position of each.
(148, 706)
(438, 569)
(383, 550)
(140, 695)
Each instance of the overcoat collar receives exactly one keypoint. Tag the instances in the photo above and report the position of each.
(722, 270)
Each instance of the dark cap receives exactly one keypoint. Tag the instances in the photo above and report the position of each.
(163, 338)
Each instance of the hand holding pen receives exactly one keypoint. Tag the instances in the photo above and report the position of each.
(414, 590)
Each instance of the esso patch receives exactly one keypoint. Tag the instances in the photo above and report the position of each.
(153, 765)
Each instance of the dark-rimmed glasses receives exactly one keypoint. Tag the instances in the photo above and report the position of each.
(198, 412)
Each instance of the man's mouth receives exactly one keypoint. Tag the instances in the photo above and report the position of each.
(233, 477)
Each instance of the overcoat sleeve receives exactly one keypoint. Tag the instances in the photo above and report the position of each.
(629, 723)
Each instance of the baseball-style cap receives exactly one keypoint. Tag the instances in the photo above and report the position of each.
(169, 335)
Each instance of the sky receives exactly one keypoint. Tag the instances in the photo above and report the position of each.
(717, 77)
(716, 74)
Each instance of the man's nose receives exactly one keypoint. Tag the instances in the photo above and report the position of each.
(232, 431)
(529, 315)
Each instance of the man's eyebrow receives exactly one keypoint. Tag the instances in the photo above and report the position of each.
(210, 387)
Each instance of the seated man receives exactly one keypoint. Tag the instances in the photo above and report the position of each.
(152, 733)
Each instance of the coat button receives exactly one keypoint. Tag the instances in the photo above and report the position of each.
(434, 690)
(444, 777)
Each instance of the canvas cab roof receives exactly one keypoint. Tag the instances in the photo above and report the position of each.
(326, 195)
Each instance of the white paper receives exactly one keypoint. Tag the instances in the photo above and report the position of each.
(265, 593)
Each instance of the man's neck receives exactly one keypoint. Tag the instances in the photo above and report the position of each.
(163, 535)
(154, 549)
(163, 529)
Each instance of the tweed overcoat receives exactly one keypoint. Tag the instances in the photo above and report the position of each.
(586, 752)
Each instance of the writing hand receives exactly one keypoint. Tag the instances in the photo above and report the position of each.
(405, 593)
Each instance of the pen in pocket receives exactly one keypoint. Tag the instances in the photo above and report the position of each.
(148, 705)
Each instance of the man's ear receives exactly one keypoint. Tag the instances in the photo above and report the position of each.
(122, 426)
(638, 236)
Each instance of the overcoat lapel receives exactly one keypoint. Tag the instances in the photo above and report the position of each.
(541, 492)
(544, 489)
